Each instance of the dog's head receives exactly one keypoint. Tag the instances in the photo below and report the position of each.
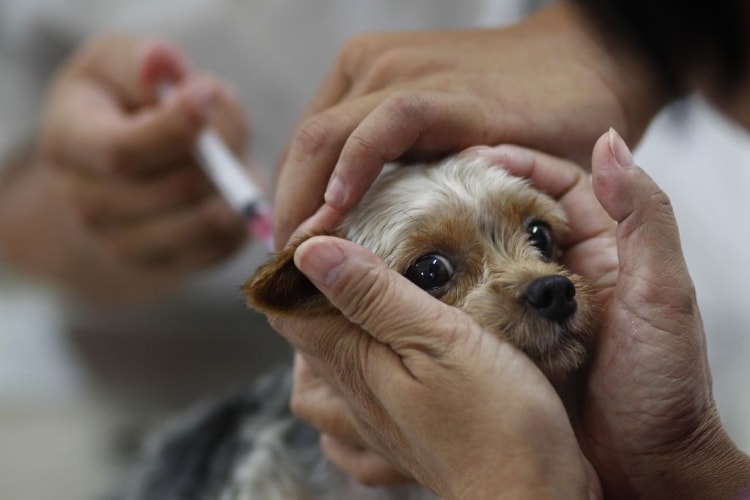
(473, 236)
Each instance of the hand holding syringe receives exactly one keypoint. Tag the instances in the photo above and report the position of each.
(230, 178)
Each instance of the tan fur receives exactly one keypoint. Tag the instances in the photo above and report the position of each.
(474, 213)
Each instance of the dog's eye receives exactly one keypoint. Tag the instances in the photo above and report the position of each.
(540, 237)
(430, 272)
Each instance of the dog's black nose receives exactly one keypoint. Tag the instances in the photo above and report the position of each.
(554, 297)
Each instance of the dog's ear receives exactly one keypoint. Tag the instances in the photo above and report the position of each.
(278, 287)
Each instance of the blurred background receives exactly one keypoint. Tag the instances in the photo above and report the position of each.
(79, 386)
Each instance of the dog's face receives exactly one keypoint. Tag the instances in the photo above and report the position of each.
(471, 235)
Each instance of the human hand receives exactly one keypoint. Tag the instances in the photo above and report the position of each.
(590, 250)
(649, 421)
(319, 403)
(542, 83)
(142, 214)
(444, 400)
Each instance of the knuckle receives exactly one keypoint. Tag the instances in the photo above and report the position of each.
(370, 296)
(389, 62)
(355, 54)
(662, 203)
(358, 147)
(407, 105)
(385, 68)
(404, 65)
(298, 405)
(312, 136)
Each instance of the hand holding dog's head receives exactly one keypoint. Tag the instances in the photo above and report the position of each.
(476, 238)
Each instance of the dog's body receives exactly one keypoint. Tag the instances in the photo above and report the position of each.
(464, 231)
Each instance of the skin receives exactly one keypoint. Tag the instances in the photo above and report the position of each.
(397, 366)
(422, 94)
(417, 95)
(415, 108)
(113, 207)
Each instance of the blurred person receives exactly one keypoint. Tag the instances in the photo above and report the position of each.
(192, 319)
(147, 344)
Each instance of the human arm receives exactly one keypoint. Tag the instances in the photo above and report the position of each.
(107, 201)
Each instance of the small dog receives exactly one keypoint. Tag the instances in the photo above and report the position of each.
(464, 231)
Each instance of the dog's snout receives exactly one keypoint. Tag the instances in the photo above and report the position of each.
(552, 296)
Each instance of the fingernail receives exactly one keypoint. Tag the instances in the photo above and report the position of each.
(335, 192)
(619, 150)
(320, 261)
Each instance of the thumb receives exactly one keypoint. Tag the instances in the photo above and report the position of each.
(652, 268)
(159, 62)
(379, 300)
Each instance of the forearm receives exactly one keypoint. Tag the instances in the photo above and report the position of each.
(638, 91)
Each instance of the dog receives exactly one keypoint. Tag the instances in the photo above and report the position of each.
(461, 229)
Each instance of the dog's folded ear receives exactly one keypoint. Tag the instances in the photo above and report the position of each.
(278, 287)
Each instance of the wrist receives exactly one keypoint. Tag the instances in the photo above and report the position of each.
(709, 466)
(557, 470)
(714, 468)
(500, 487)
(639, 94)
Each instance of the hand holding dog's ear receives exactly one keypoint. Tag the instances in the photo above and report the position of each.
(428, 388)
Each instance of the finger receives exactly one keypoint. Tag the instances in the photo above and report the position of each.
(115, 201)
(159, 62)
(561, 179)
(168, 133)
(313, 152)
(425, 123)
(380, 301)
(373, 61)
(590, 247)
(351, 77)
(166, 238)
(335, 85)
(366, 466)
(652, 266)
(126, 64)
(150, 140)
(318, 403)
(229, 119)
(111, 140)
